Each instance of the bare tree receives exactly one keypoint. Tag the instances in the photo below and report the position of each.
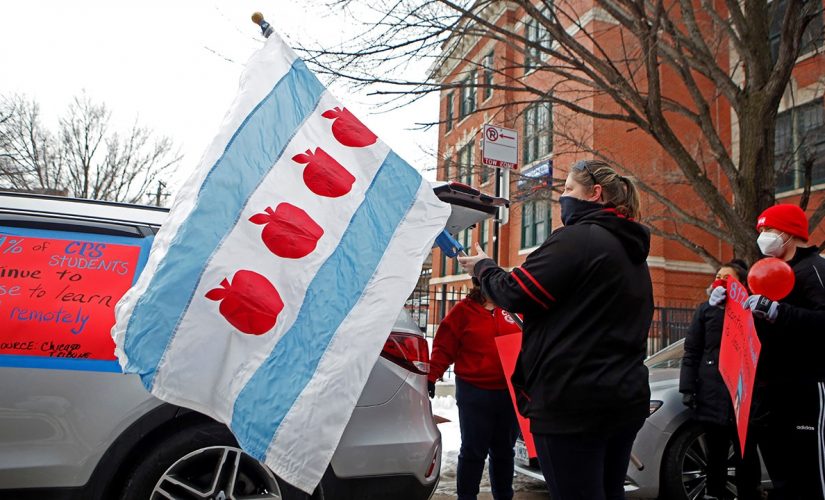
(29, 157)
(84, 158)
(718, 52)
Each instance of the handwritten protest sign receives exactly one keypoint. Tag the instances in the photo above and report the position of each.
(738, 355)
(57, 298)
(508, 348)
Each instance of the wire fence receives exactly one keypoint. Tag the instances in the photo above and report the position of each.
(669, 325)
(418, 303)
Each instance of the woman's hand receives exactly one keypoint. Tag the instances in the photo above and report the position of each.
(469, 262)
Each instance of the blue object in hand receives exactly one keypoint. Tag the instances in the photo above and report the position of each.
(449, 245)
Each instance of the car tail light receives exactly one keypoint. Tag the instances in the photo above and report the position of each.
(433, 463)
(409, 351)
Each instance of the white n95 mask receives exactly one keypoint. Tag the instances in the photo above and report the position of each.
(770, 244)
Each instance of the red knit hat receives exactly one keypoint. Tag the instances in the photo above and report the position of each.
(786, 218)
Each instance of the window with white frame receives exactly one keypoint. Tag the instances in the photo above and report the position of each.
(465, 164)
(468, 96)
(443, 263)
(535, 223)
(812, 37)
(463, 238)
(448, 164)
(537, 38)
(538, 132)
(484, 174)
(488, 75)
(800, 140)
(448, 115)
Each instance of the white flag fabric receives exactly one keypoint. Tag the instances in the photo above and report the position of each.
(285, 260)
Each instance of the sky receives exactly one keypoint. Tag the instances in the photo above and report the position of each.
(174, 65)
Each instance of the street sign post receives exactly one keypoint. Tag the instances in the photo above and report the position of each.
(500, 147)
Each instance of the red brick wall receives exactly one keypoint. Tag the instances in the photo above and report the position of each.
(680, 277)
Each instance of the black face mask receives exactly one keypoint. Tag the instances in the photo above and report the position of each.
(573, 209)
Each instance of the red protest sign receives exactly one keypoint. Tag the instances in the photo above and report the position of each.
(57, 296)
(508, 348)
(738, 355)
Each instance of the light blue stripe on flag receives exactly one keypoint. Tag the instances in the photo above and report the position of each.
(247, 159)
(263, 403)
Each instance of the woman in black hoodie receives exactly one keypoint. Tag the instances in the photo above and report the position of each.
(587, 302)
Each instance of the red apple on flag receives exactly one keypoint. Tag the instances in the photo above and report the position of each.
(323, 175)
(289, 232)
(348, 129)
(250, 303)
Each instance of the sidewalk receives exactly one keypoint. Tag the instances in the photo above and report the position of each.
(521, 495)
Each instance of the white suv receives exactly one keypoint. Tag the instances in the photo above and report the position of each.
(73, 427)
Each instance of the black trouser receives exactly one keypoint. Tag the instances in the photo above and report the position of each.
(795, 457)
(587, 466)
(488, 425)
(748, 471)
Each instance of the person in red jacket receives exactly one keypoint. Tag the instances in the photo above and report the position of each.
(466, 339)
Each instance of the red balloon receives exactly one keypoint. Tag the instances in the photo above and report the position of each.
(772, 278)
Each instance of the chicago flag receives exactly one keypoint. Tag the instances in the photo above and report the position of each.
(284, 262)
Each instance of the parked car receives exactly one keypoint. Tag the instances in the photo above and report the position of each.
(669, 457)
(73, 427)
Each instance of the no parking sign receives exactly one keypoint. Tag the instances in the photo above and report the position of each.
(500, 147)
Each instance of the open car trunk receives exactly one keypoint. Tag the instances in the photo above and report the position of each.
(469, 205)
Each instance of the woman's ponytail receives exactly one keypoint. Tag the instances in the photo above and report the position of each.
(618, 192)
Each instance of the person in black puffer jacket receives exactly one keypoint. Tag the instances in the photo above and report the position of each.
(704, 391)
(587, 300)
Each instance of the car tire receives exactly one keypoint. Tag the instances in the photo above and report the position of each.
(190, 458)
(684, 466)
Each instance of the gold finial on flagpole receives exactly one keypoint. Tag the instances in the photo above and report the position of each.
(258, 19)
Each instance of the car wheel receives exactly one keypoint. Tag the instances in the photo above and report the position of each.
(204, 462)
(684, 467)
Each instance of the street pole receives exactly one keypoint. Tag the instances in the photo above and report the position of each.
(159, 194)
(497, 220)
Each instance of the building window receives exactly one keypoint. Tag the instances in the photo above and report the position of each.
(488, 75)
(483, 235)
(465, 164)
(443, 263)
(538, 132)
(812, 38)
(800, 139)
(468, 96)
(464, 239)
(484, 174)
(448, 120)
(535, 223)
(535, 33)
(448, 164)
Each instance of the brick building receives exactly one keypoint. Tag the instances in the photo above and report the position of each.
(471, 65)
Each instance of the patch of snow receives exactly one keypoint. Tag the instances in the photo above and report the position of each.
(445, 407)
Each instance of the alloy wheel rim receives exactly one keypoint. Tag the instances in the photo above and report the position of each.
(694, 470)
(217, 473)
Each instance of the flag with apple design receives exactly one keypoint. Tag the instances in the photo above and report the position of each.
(283, 264)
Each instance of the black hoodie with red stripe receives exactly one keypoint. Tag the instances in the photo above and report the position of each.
(587, 301)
